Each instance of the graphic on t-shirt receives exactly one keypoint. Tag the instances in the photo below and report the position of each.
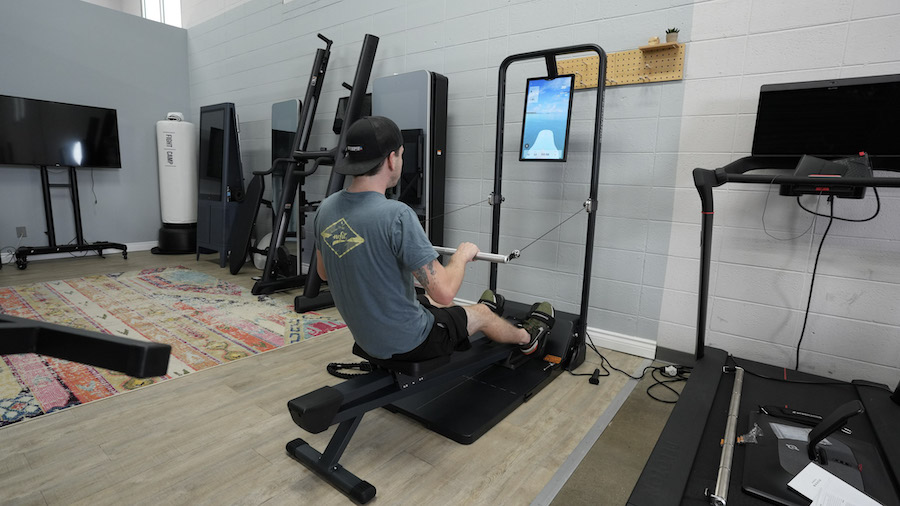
(341, 238)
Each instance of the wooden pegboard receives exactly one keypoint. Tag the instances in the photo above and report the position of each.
(647, 64)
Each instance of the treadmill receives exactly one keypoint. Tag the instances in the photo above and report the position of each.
(833, 120)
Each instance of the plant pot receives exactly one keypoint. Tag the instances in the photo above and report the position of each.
(671, 37)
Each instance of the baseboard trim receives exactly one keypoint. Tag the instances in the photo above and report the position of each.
(631, 345)
(133, 246)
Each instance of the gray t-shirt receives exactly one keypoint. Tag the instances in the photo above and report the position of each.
(370, 246)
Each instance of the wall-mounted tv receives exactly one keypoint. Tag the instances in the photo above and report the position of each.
(548, 113)
(831, 118)
(45, 133)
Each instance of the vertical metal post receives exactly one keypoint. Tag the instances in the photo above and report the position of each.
(48, 207)
(76, 205)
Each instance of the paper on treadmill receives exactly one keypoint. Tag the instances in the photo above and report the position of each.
(826, 489)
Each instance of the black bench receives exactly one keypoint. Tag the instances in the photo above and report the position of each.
(345, 404)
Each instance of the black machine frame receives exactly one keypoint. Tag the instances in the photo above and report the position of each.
(497, 199)
(272, 279)
(478, 387)
(312, 297)
(682, 467)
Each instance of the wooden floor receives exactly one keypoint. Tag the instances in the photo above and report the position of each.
(218, 436)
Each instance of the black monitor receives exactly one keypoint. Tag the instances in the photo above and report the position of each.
(548, 114)
(342, 111)
(46, 133)
(221, 175)
(832, 118)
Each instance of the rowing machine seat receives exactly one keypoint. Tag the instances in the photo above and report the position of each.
(412, 369)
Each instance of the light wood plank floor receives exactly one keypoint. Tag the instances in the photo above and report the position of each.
(217, 436)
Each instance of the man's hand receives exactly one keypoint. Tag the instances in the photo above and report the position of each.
(466, 251)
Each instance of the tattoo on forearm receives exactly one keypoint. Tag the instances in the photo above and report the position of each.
(422, 275)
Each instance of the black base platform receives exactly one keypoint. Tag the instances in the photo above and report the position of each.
(470, 406)
(685, 461)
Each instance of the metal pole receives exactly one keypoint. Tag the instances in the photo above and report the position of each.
(487, 257)
(720, 496)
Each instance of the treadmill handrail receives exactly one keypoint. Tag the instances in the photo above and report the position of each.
(735, 172)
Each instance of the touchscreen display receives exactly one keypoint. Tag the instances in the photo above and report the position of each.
(548, 112)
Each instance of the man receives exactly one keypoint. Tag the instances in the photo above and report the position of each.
(370, 248)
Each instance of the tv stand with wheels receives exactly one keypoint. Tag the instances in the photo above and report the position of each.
(23, 252)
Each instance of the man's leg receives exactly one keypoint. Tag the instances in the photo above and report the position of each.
(482, 319)
(529, 335)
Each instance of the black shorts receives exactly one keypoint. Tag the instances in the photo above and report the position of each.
(448, 334)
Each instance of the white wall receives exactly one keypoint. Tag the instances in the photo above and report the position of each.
(645, 265)
(760, 285)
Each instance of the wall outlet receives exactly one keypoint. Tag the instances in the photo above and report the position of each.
(20, 232)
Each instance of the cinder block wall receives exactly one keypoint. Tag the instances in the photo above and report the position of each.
(644, 283)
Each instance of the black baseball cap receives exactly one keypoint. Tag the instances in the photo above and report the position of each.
(370, 140)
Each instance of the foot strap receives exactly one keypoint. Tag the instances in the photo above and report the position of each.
(544, 317)
(496, 307)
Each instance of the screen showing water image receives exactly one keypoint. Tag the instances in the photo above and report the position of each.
(548, 112)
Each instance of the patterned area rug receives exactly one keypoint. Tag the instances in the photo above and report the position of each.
(206, 321)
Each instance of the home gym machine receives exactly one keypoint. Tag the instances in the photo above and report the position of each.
(277, 274)
(463, 395)
(683, 467)
(795, 411)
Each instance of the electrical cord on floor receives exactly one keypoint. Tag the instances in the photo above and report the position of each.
(813, 280)
(681, 373)
(9, 250)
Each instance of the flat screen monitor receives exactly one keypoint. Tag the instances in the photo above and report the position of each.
(285, 122)
(832, 118)
(212, 143)
(548, 114)
(342, 111)
(221, 175)
(46, 133)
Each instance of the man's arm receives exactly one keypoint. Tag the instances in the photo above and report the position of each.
(320, 266)
(440, 282)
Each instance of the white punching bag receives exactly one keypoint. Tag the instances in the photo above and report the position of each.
(176, 146)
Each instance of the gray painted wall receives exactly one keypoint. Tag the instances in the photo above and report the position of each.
(80, 53)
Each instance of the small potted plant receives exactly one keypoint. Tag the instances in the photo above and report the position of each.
(672, 35)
